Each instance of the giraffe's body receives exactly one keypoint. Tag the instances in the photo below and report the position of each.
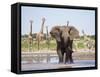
(40, 35)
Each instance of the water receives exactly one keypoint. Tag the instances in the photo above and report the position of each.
(53, 64)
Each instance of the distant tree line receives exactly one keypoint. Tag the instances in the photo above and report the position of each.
(45, 35)
(89, 36)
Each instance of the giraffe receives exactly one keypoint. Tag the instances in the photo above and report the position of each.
(89, 43)
(40, 35)
(84, 35)
(67, 23)
(47, 37)
(30, 38)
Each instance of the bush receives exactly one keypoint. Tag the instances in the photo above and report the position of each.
(80, 45)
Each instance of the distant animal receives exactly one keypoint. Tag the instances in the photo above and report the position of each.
(40, 35)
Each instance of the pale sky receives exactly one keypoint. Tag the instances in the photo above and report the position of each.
(81, 19)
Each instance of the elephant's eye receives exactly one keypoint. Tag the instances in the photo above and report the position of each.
(51, 33)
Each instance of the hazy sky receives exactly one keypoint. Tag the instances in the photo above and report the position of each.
(81, 19)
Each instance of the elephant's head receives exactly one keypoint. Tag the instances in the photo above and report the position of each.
(65, 32)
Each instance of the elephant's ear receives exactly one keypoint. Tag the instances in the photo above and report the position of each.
(73, 32)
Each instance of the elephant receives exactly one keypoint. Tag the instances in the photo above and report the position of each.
(64, 36)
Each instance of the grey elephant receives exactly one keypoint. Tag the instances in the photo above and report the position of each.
(64, 36)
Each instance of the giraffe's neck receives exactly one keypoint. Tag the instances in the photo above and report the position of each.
(30, 29)
(47, 30)
(42, 27)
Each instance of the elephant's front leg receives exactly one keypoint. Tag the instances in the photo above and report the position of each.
(70, 57)
(70, 48)
(60, 54)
